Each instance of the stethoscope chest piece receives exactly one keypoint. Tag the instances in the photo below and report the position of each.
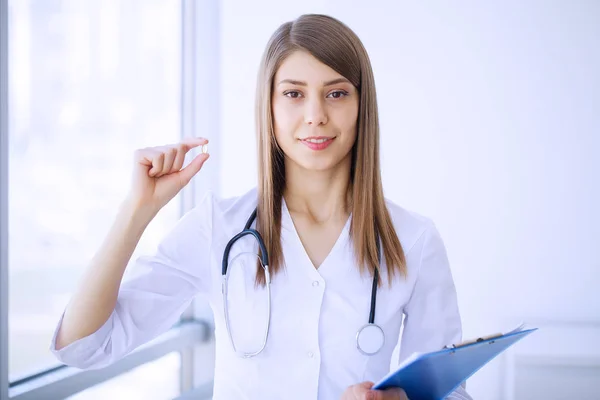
(370, 339)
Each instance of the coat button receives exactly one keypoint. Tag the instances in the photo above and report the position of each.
(315, 283)
(310, 354)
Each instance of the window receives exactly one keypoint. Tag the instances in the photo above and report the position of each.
(89, 81)
(157, 380)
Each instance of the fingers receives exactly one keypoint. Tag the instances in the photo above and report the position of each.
(192, 142)
(150, 157)
(397, 394)
(192, 169)
(169, 152)
(164, 160)
(359, 391)
(363, 391)
(389, 394)
(179, 158)
(367, 385)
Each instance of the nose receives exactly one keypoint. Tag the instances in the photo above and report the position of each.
(315, 113)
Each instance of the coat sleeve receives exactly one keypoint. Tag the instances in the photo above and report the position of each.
(432, 318)
(161, 287)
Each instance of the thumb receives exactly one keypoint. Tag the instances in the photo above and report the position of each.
(192, 169)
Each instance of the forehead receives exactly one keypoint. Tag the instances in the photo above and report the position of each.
(303, 66)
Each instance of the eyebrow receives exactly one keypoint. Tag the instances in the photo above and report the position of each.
(302, 83)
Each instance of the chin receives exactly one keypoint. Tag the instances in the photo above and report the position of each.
(317, 164)
(317, 167)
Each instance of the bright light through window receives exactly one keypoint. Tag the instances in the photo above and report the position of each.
(89, 82)
(156, 380)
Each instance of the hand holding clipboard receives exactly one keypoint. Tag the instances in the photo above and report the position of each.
(433, 376)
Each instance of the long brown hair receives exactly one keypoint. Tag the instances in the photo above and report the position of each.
(335, 45)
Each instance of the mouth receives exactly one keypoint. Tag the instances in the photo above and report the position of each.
(317, 139)
(317, 142)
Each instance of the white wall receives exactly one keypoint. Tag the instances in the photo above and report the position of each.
(489, 120)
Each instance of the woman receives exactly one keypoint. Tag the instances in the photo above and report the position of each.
(332, 244)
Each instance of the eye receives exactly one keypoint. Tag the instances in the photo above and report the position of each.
(292, 94)
(337, 94)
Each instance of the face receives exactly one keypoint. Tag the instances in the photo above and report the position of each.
(315, 112)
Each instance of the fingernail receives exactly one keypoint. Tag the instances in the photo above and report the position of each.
(370, 395)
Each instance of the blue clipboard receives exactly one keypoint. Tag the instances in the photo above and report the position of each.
(433, 376)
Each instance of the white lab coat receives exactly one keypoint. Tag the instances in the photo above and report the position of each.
(311, 350)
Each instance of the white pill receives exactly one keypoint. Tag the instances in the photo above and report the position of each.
(205, 148)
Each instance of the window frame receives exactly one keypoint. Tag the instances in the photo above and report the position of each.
(3, 199)
(193, 335)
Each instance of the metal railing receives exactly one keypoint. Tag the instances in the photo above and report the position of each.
(64, 381)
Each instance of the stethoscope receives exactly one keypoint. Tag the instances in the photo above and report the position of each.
(369, 338)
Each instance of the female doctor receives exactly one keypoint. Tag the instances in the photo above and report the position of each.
(310, 275)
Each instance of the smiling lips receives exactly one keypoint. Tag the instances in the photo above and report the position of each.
(317, 142)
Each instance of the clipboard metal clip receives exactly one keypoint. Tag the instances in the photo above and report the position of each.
(519, 328)
(471, 341)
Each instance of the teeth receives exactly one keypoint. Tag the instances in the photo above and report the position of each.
(316, 140)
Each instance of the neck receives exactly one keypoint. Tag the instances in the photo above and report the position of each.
(324, 196)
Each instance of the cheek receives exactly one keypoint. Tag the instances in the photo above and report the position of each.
(347, 121)
(285, 118)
